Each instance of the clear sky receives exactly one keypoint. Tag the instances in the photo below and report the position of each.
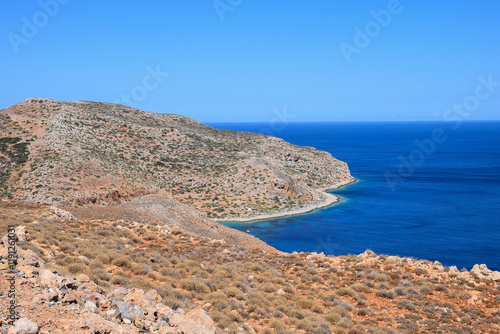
(242, 60)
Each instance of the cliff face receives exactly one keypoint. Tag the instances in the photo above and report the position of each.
(92, 154)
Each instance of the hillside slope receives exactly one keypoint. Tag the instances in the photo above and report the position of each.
(242, 289)
(94, 154)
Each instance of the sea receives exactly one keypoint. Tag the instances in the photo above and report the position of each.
(427, 190)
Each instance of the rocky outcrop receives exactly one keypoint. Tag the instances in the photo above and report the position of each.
(482, 271)
(21, 234)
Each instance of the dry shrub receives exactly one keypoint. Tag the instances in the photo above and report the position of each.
(194, 285)
(123, 262)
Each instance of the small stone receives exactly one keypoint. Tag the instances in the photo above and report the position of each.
(90, 305)
(69, 299)
(82, 278)
(70, 284)
(105, 303)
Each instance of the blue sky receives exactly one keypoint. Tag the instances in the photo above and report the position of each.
(242, 60)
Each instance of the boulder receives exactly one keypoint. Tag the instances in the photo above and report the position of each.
(94, 323)
(88, 287)
(134, 296)
(69, 284)
(152, 298)
(46, 297)
(195, 321)
(118, 294)
(82, 278)
(166, 329)
(62, 214)
(22, 234)
(96, 298)
(25, 326)
(90, 306)
(164, 312)
(47, 278)
(495, 275)
(129, 312)
(30, 258)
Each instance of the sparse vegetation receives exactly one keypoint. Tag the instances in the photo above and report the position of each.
(271, 293)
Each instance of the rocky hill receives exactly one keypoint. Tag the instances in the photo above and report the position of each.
(94, 154)
(119, 275)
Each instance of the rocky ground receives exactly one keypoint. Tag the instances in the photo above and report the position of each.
(86, 275)
(51, 303)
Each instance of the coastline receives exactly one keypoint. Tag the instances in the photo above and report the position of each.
(327, 200)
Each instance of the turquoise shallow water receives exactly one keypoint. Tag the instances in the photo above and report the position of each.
(440, 204)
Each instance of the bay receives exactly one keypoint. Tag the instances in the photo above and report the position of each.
(420, 195)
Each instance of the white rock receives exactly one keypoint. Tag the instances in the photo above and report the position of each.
(22, 234)
(495, 275)
(25, 326)
(90, 305)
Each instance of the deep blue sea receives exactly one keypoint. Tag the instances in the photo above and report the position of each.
(425, 190)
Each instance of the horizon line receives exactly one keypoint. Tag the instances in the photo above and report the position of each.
(361, 121)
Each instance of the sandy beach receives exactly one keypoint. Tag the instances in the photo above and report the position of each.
(326, 200)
